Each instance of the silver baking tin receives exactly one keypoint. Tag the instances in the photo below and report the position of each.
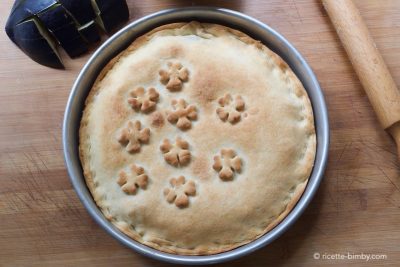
(119, 42)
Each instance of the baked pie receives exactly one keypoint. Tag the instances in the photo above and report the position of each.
(196, 139)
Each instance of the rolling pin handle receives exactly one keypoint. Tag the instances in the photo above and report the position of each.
(368, 63)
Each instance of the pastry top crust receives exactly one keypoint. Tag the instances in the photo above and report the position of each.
(196, 139)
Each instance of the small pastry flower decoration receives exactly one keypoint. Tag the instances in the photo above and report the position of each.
(174, 77)
(130, 183)
(143, 100)
(230, 108)
(176, 154)
(132, 136)
(179, 191)
(182, 114)
(227, 164)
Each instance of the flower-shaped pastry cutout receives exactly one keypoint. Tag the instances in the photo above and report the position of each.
(180, 191)
(230, 108)
(174, 77)
(182, 114)
(143, 100)
(227, 164)
(176, 154)
(132, 136)
(130, 183)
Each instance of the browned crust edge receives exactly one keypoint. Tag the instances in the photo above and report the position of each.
(84, 148)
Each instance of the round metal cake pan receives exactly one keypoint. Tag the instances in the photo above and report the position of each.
(119, 42)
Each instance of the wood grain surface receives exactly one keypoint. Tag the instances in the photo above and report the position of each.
(356, 210)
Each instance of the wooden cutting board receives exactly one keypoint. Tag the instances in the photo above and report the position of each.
(356, 210)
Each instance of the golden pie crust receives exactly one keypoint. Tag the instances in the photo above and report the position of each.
(196, 139)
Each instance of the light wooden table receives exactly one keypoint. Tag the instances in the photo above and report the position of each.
(356, 210)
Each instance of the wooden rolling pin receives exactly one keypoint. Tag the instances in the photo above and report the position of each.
(368, 64)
